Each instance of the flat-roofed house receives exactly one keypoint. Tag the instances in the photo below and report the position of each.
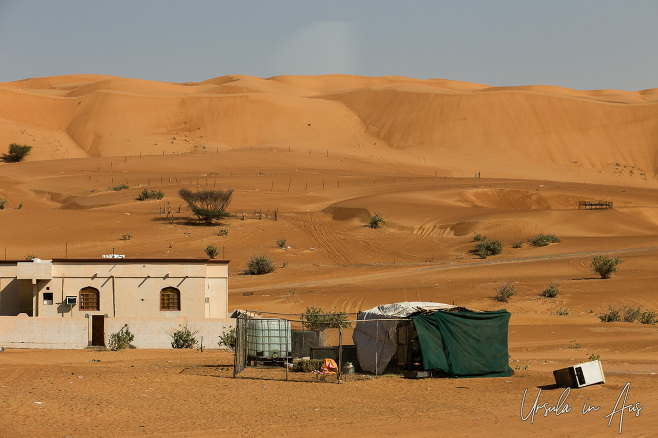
(75, 303)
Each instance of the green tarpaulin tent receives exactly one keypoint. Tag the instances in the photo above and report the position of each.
(465, 344)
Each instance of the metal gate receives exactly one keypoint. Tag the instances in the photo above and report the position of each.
(240, 359)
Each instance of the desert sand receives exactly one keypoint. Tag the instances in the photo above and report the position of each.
(440, 160)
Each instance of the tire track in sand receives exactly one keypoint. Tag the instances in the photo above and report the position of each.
(328, 241)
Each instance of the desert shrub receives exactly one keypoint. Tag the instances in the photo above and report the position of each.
(593, 356)
(628, 314)
(505, 291)
(317, 319)
(211, 251)
(119, 187)
(479, 237)
(222, 232)
(126, 237)
(3, 202)
(485, 248)
(376, 221)
(121, 339)
(648, 317)
(20, 205)
(543, 239)
(281, 243)
(562, 312)
(30, 256)
(207, 205)
(552, 291)
(145, 195)
(16, 153)
(517, 244)
(613, 315)
(227, 339)
(309, 365)
(259, 265)
(184, 337)
(605, 266)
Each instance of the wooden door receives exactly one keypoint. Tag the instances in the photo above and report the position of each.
(98, 330)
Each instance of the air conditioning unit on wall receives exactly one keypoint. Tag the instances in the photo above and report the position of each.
(71, 301)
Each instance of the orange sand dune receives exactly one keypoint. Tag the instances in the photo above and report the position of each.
(439, 160)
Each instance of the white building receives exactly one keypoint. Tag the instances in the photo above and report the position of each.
(75, 303)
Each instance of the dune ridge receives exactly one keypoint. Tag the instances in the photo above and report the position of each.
(106, 116)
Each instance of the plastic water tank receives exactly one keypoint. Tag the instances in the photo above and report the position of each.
(268, 338)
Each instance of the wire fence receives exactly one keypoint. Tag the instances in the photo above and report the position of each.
(295, 347)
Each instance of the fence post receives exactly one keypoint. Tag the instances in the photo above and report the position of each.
(289, 325)
(377, 349)
(340, 351)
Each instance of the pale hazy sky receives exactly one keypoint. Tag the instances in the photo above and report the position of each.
(582, 44)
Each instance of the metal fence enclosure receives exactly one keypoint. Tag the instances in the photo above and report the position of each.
(275, 345)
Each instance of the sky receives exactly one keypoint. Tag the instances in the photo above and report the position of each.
(580, 44)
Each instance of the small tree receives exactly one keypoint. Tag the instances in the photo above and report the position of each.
(376, 221)
(207, 205)
(17, 152)
(227, 339)
(211, 251)
(605, 266)
(316, 319)
(184, 338)
(121, 339)
(259, 265)
(281, 243)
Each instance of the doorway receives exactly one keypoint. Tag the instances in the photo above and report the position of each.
(98, 330)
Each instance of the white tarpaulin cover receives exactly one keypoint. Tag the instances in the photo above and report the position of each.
(375, 332)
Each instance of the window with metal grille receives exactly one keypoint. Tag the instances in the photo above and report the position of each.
(89, 299)
(169, 299)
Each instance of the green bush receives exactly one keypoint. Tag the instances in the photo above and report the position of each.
(121, 339)
(485, 247)
(207, 205)
(227, 339)
(479, 237)
(222, 232)
(517, 244)
(317, 319)
(605, 266)
(211, 251)
(145, 195)
(552, 291)
(562, 312)
(629, 314)
(184, 338)
(376, 221)
(259, 265)
(17, 152)
(119, 187)
(30, 256)
(281, 243)
(3, 202)
(126, 237)
(543, 239)
(505, 291)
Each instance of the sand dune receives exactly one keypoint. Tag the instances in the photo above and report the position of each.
(440, 160)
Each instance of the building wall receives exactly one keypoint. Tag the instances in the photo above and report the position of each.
(26, 332)
(73, 333)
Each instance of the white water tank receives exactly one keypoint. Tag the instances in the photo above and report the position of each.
(268, 338)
